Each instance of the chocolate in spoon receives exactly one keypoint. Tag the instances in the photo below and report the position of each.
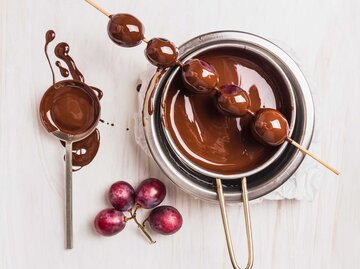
(70, 110)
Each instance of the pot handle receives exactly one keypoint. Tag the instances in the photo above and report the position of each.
(226, 224)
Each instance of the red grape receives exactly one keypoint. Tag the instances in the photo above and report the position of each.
(122, 195)
(109, 222)
(165, 220)
(150, 193)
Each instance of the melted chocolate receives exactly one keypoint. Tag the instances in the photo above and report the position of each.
(71, 106)
(49, 37)
(155, 79)
(62, 52)
(84, 151)
(63, 71)
(99, 92)
(107, 123)
(138, 87)
(208, 138)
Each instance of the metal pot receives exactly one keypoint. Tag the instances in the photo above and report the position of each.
(262, 180)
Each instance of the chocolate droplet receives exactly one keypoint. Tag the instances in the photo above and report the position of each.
(63, 71)
(49, 36)
(62, 52)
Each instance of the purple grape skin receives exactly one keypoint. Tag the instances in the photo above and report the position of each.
(165, 220)
(122, 196)
(150, 193)
(109, 222)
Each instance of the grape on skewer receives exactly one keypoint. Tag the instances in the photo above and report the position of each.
(161, 52)
(232, 101)
(201, 77)
(269, 126)
(125, 30)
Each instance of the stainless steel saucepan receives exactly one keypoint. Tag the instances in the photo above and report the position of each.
(232, 188)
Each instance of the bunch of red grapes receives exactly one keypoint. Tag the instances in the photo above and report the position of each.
(149, 194)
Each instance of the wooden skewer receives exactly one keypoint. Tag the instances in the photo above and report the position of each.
(216, 88)
(305, 151)
(98, 8)
(179, 63)
(251, 113)
(302, 149)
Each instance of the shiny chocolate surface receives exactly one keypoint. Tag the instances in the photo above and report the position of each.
(206, 137)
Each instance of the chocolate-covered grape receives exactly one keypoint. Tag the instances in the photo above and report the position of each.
(270, 127)
(199, 76)
(161, 52)
(233, 101)
(125, 30)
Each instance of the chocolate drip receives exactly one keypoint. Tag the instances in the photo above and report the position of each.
(62, 52)
(49, 36)
(71, 106)
(63, 71)
(98, 92)
(153, 82)
(84, 151)
(255, 105)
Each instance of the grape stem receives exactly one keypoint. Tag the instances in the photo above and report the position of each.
(146, 220)
(141, 226)
(129, 218)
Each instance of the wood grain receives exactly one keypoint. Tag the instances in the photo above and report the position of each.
(288, 234)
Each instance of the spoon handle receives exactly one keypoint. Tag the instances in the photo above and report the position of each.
(68, 197)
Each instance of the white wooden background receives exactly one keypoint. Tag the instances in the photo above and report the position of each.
(324, 233)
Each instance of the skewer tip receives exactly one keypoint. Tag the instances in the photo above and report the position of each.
(305, 151)
(103, 11)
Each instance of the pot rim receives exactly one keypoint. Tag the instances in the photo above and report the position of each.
(181, 177)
